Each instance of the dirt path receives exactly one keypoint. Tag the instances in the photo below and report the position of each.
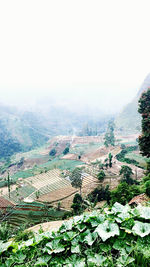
(48, 226)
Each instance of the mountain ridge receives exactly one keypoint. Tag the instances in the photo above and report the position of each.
(129, 120)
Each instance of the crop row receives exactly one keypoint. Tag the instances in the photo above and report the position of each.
(51, 187)
(20, 194)
(41, 180)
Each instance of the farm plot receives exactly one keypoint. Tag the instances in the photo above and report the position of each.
(47, 182)
(62, 164)
(18, 195)
(44, 179)
(31, 213)
(85, 148)
(66, 194)
(136, 156)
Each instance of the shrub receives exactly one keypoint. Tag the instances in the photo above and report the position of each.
(66, 151)
(78, 204)
(124, 193)
(23, 235)
(100, 194)
(126, 172)
(53, 152)
(101, 175)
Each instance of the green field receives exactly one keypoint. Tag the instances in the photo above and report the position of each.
(35, 153)
(85, 148)
(43, 213)
(139, 158)
(62, 164)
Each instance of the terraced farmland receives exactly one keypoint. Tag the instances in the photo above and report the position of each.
(66, 193)
(47, 182)
(44, 179)
(18, 196)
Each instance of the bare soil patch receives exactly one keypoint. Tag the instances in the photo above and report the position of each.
(48, 226)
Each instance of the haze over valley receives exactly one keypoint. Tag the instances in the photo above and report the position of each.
(74, 133)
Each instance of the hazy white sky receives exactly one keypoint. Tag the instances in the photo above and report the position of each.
(74, 47)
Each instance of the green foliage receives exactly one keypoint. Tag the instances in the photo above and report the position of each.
(147, 185)
(66, 151)
(119, 237)
(78, 204)
(5, 231)
(109, 136)
(23, 236)
(124, 193)
(8, 144)
(101, 175)
(121, 156)
(144, 109)
(110, 156)
(76, 178)
(53, 152)
(127, 173)
(99, 194)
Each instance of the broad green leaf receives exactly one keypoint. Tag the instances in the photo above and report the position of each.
(78, 219)
(127, 225)
(118, 208)
(54, 247)
(124, 259)
(96, 260)
(9, 262)
(20, 257)
(122, 212)
(27, 243)
(75, 241)
(66, 226)
(141, 229)
(104, 247)
(75, 249)
(5, 246)
(48, 235)
(119, 244)
(97, 220)
(42, 261)
(89, 237)
(107, 230)
(144, 212)
(75, 261)
(81, 227)
(68, 236)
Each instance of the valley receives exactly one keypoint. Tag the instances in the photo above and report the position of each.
(42, 179)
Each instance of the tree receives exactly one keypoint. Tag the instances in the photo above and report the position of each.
(77, 204)
(8, 184)
(66, 151)
(109, 136)
(126, 172)
(144, 109)
(110, 156)
(76, 178)
(52, 152)
(101, 175)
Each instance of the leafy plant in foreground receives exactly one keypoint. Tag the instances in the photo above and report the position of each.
(114, 238)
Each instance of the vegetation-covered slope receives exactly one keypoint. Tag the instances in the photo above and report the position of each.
(19, 131)
(116, 237)
(129, 120)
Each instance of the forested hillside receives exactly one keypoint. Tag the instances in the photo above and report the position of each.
(23, 130)
(129, 120)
